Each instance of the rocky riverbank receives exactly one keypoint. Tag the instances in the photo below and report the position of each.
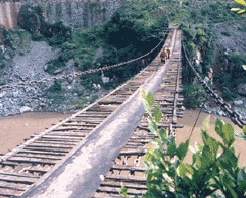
(42, 96)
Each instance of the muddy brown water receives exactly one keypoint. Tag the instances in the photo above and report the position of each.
(14, 129)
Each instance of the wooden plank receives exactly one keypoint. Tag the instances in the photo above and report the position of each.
(54, 150)
(68, 134)
(37, 171)
(38, 157)
(117, 191)
(164, 125)
(71, 124)
(62, 137)
(56, 139)
(22, 180)
(127, 168)
(137, 153)
(50, 146)
(118, 185)
(23, 174)
(31, 161)
(58, 142)
(14, 186)
(5, 163)
(10, 192)
(124, 178)
(70, 128)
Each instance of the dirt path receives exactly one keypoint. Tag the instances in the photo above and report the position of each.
(14, 129)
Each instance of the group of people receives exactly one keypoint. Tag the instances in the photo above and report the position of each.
(165, 54)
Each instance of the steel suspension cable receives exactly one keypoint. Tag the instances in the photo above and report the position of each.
(224, 106)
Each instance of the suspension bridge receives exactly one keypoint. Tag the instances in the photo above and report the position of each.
(93, 152)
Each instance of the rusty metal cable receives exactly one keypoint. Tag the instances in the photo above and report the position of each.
(224, 106)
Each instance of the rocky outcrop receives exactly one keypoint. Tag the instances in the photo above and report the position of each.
(241, 89)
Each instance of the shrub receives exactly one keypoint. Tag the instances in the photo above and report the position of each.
(56, 87)
(226, 33)
(53, 65)
(169, 176)
(194, 95)
(228, 94)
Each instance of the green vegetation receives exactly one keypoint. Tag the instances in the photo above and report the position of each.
(144, 21)
(56, 87)
(210, 172)
(194, 95)
(226, 33)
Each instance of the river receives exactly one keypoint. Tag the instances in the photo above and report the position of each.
(14, 129)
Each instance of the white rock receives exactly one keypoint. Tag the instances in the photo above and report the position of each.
(24, 109)
(96, 86)
(15, 94)
(2, 94)
(220, 113)
(45, 67)
(238, 102)
(105, 79)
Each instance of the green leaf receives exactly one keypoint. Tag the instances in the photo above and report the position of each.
(171, 146)
(241, 2)
(244, 129)
(241, 179)
(212, 143)
(218, 127)
(157, 113)
(152, 126)
(123, 191)
(185, 168)
(163, 135)
(152, 148)
(232, 191)
(241, 11)
(206, 192)
(206, 123)
(183, 149)
(228, 131)
(147, 108)
(198, 147)
(148, 156)
(150, 98)
(142, 91)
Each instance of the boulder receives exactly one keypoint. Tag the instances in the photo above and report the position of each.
(58, 71)
(2, 94)
(220, 113)
(45, 67)
(15, 93)
(70, 63)
(241, 89)
(24, 109)
(238, 102)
